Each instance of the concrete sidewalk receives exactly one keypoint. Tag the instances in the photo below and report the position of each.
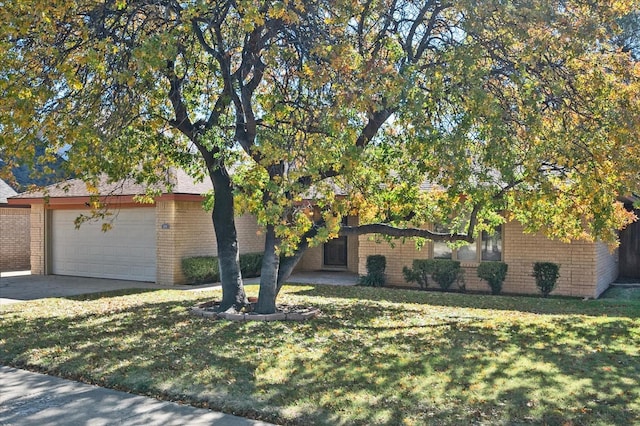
(28, 398)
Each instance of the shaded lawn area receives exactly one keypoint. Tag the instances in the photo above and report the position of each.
(376, 356)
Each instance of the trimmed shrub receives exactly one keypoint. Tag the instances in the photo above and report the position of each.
(546, 274)
(443, 271)
(376, 265)
(419, 272)
(201, 269)
(251, 264)
(493, 273)
(206, 269)
(446, 272)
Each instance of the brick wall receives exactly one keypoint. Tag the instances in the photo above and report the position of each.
(38, 247)
(167, 268)
(313, 258)
(606, 267)
(398, 256)
(250, 235)
(15, 243)
(188, 232)
(578, 263)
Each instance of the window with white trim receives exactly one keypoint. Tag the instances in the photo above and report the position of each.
(486, 248)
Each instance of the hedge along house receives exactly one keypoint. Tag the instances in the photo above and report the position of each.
(146, 242)
(14, 232)
(586, 268)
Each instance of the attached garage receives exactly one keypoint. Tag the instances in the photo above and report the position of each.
(147, 242)
(127, 251)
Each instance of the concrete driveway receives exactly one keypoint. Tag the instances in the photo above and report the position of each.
(19, 288)
(22, 287)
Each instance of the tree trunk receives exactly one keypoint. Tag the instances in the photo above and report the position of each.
(233, 295)
(288, 263)
(269, 274)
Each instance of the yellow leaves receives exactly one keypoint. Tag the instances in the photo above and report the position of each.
(76, 85)
(283, 11)
(25, 93)
(45, 17)
(251, 19)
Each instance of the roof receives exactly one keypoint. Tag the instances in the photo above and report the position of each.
(5, 192)
(180, 183)
(26, 175)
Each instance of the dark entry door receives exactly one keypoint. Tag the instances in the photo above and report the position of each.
(629, 250)
(335, 252)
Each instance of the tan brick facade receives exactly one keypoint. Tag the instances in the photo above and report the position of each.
(186, 230)
(606, 267)
(586, 269)
(38, 240)
(313, 259)
(15, 240)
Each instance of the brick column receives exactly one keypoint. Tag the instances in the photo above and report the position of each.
(38, 239)
(165, 242)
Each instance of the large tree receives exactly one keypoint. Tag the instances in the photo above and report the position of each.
(334, 108)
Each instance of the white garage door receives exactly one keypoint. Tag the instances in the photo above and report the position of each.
(127, 251)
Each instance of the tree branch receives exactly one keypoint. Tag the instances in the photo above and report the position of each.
(376, 120)
(392, 231)
(182, 121)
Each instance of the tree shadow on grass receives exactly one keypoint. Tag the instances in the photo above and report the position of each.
(154, 349)
(537, 305)
(362, 362)
(465, 373)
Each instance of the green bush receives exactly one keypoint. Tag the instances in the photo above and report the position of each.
(546, 274)
(201, 269)
(376, 265)
(251, 264)
(493, 273)
(443, 271)
(419, 272)
(446, 272)
(206, 269)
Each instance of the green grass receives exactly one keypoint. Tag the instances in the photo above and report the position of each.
(623, 293)
(375, 356)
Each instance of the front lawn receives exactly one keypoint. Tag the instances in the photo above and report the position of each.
(375, 356)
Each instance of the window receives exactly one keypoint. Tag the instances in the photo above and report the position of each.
(492, 244)
(486, 248)
(440, 249)
(468, 252)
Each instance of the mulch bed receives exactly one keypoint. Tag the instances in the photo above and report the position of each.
(284, 313)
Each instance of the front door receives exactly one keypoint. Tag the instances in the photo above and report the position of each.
(629, 250)
(335, 252)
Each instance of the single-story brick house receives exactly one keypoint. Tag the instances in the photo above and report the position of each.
(586, 269)
(146, 242)
(14, 232)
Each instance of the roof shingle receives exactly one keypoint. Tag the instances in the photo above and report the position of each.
(180, 183)
(5, 192)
